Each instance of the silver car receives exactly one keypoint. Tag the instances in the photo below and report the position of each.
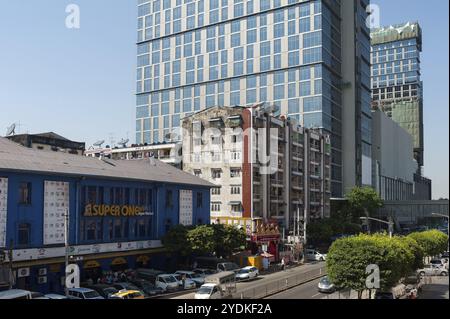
(326, 286)
(432, 270)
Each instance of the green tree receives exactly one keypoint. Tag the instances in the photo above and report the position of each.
(363, 201)
(348, 259)
(176, 241)
(433, 242)
(202, 239)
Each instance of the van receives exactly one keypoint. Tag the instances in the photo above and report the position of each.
(15, 294)
(167, 282)
(148, 274)
(227, 266)
(218, 286)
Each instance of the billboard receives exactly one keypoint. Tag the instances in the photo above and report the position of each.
(186, 215)
(56, 203)
(3, 210)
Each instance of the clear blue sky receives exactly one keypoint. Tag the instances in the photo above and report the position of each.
(80, 83)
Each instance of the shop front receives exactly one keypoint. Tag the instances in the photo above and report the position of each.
(266, 239)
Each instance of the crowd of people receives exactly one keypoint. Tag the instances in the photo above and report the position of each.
(111, 277)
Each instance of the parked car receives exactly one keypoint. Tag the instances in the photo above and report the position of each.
(129, 294)
(15, 294)
(312, 254)
(204, 272)
(437, 262)
(83, 293)
(167, 282)
(227, 266)
(326, 286)
(384, 295)
(247, 273)
(37, 295)
(188, 283)
(105, 291)
(432, 270)
(148, 274)
(126, 286)
(209, 291)
(147, 287)
(55, 296)
(195, 277)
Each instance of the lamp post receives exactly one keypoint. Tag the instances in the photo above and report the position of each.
(390, 223)
(444, 216)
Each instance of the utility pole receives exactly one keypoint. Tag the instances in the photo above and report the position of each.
(66, 240)
(10, 258)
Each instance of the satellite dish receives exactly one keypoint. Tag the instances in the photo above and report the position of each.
(123, 142)
(11, 130)
(99, 143)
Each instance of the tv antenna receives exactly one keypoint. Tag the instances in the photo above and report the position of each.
(99, 143)
(11, 130)
(123, 142)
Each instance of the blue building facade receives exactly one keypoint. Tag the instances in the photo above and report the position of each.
(114, 223)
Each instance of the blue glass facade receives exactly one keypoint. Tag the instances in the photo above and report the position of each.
(194, 55)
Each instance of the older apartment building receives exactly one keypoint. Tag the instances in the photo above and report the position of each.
(274, 172)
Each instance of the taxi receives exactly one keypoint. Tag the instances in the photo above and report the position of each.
(128, 294)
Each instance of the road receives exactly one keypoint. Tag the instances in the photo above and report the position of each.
(305, 291)
(271, 281)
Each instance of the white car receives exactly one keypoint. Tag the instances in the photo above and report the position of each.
(432, 270)
(188, 283)
(312, 254)
(209, 291)
(195, 277)
(83, 293)
(247, 273)
(166, 282)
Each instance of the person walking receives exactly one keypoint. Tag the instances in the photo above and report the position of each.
(283, 264)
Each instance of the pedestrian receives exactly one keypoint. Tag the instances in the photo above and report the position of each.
(283, 264)
(183, 280)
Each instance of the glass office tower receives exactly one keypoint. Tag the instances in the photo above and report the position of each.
(396, 83)
(194, 55)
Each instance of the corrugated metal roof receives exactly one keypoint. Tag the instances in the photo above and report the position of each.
(14, 157)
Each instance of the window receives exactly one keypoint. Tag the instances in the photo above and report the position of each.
(215, 207)
(169, 199)
(215, 191)
(235, 190)
(235, 172)
(24, 234)
(198, 173)
(199, 200)
(216, 173)
(25, 193)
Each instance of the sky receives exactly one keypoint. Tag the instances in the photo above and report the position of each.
(80, 83)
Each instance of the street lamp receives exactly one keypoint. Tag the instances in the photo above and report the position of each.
(390, 223)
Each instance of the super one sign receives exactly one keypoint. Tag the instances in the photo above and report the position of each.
(115, 211)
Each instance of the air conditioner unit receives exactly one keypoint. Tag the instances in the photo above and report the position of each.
(23, 272)
(42, 280)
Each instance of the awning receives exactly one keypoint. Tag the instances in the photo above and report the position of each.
(91, 264)
(119, 261)
(143, 259)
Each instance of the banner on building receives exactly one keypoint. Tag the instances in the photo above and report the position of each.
(186, 215)
(56, 203)
(3, 210)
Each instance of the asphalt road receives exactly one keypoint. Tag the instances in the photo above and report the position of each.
(305, 291)
(262, 281)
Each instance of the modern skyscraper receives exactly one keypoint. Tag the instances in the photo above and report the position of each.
(310, 58)
(396, 83)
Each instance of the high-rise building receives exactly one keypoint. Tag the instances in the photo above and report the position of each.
(293, 180)
(310, 58)
(396, 82)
